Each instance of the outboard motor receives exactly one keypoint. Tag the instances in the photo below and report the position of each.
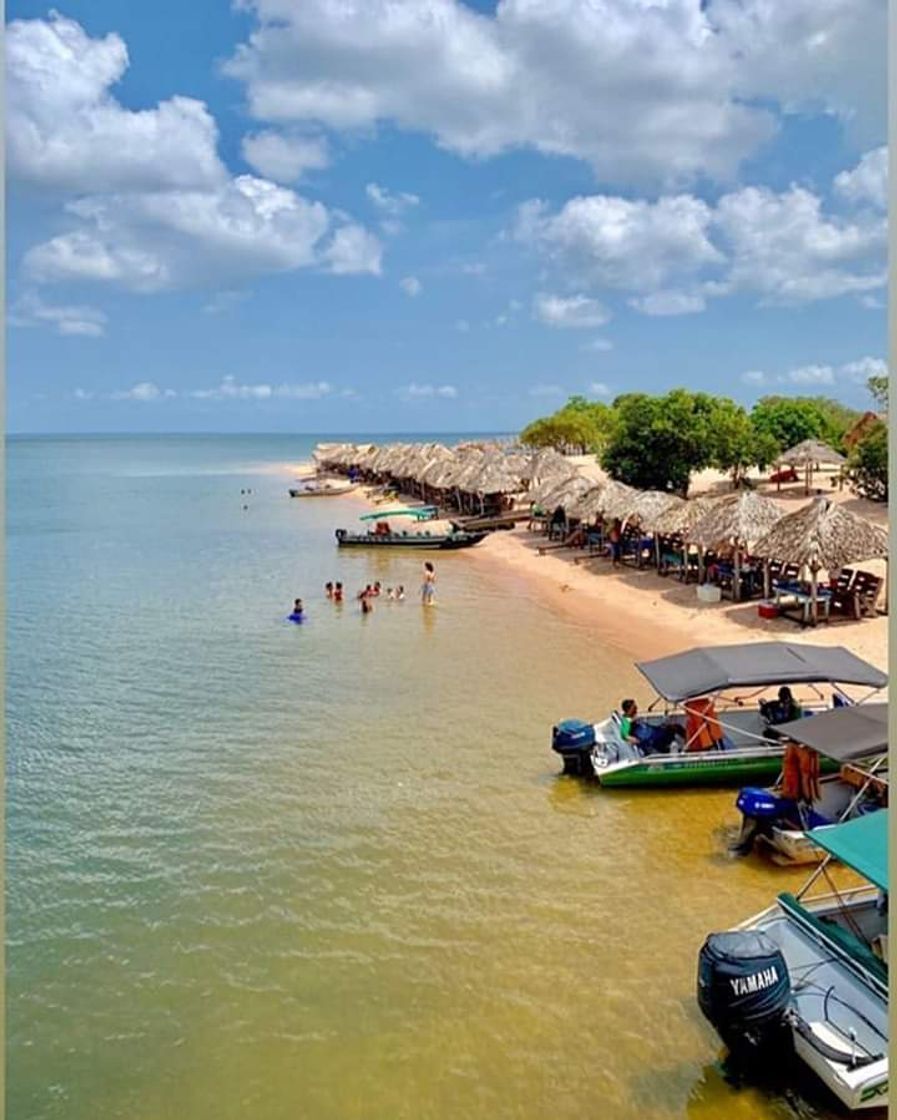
(573, 739)
(759, 810)
(744, 990)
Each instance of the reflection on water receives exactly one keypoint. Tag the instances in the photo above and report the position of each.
(328, 871)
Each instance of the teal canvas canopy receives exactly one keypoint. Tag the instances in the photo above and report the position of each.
(420, 513)
(861, 843)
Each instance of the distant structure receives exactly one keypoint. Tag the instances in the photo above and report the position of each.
(860, 429)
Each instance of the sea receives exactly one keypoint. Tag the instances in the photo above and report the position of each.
(328, 871)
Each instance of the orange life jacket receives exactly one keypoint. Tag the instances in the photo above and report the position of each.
(702, 729)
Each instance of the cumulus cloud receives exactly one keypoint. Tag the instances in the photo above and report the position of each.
(597, 345)
(599, 389)
(389, 202)
(669, 303)
(811, 375)
(230, 389)
(414, 391)
(144, 392)
(641, 91)
(246, 227)
(754, 377)
(544, 390)
(411, 286)
(868, 181)
(571, 312)
(818, 374)
(31, 311)
(620, 243)
(64, 129)
(864, 368)
(282, 157)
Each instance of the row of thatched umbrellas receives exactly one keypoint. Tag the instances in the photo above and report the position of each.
(821, 536)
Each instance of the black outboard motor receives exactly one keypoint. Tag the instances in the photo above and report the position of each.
(573, 740)
(744, 990)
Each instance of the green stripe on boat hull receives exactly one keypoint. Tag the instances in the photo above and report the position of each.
(694, 772)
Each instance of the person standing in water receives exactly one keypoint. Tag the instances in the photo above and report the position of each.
(428, 588)
(338, 593)
(328, 589)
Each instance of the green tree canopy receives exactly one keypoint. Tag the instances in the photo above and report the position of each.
(868, 464)
(791, 420)
(581, 425)
(878, 389)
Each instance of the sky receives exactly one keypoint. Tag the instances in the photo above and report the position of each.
(437, 215)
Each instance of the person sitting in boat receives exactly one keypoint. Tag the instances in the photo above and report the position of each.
(782, 710)
(649, 738)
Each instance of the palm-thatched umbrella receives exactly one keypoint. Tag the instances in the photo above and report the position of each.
(736, 521)
(822, 535)
(546, 463)
(539, 491)
(588, 503)
(649, 506)
(809, 453)
(567, 491)
(617, 499)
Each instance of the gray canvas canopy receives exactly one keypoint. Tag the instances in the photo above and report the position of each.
(856, 731)
(699, 672)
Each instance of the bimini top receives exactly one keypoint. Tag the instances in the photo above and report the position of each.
(846, 733)
(714, 668)
(861, 843)
(419, 513)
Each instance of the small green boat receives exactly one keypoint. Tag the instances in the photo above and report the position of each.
(696, 732)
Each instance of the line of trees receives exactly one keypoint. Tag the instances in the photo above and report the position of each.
(657, 442)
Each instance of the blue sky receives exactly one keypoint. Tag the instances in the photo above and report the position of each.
(337, 215)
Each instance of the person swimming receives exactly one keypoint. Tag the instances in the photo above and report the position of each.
(298, 612)
(328, 589)
(338, 593)
(400, 593)
(367, 606)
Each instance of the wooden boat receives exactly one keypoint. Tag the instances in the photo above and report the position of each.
(856, 740)
(324, 488)
(807, 979)
(724, 742)
(409, 528)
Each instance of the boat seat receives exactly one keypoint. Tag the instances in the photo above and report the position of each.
(849, 942)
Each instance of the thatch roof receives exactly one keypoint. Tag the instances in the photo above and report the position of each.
(823, 535)
(617, 499)
(683, 518)
(649, 506)
(497, 477)
(589, 503)
(811, 451)
(546, 463)
(737, 520)
(567, 492)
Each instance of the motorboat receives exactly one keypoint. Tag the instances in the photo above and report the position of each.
(856, 740)
(707, 734)
(806, 980)
(324, 487)
(417, 527)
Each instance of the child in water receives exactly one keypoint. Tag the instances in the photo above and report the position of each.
(338, 593)
(328, 589)
(400, 593)
(298, 609)
(366, 605)
(428, 588)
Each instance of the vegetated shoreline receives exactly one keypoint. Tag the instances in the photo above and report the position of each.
(644, 615)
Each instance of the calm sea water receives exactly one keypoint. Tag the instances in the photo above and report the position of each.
(328, 871)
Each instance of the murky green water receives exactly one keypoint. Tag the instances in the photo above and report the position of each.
(328, 871)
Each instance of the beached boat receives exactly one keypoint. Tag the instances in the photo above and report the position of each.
(323, 488)
(856, 740)
(807, 979)
(414, 527)
(719, 739)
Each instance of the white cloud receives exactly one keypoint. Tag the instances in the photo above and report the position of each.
(599, 389)
(414, 391)
(872, 303)
(411, 286)
(542, 390)
(83, 395)
(868, 181)
(31, 311)
(864, 368)
(65, 130)
(619, 243)
(389, 202)
(282, 157)
(575, 312)
(598, 345)
(143, 392)
(230, 389)
(249, 226)
(811, 375)
(639, 90)
(754, 377)
(669, 303)
(785, 249)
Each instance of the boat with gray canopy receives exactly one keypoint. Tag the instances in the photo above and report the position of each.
(698, 730)
(853, 738)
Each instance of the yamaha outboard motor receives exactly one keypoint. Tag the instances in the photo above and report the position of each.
(759, 810)
(744, 990)
(573, 740)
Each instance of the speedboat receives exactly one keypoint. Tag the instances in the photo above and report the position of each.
(807, 979)
(718, 739)
(856, 740)
(323, 487)
(414, 527)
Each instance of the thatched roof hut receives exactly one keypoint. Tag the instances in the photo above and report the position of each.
(683, 518)
(566, 492)
(589, 503)
(545, 464)
(809, 454)
(823, 536)
(736, 521)
(649, 506)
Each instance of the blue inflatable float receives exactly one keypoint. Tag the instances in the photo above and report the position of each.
(294, 617)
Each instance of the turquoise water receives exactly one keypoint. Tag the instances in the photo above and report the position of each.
(326, 871)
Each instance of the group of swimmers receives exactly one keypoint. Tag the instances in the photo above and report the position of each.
(334, 592)
(374, 591)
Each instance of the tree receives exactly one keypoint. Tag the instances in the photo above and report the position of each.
(878, 388)
(736, 444)
(868, 464)
(788, 420)
(581, 425)
(658, 441)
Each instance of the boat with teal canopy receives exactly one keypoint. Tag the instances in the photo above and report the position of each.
(807, 979)
(417, 513)
(415, 527)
